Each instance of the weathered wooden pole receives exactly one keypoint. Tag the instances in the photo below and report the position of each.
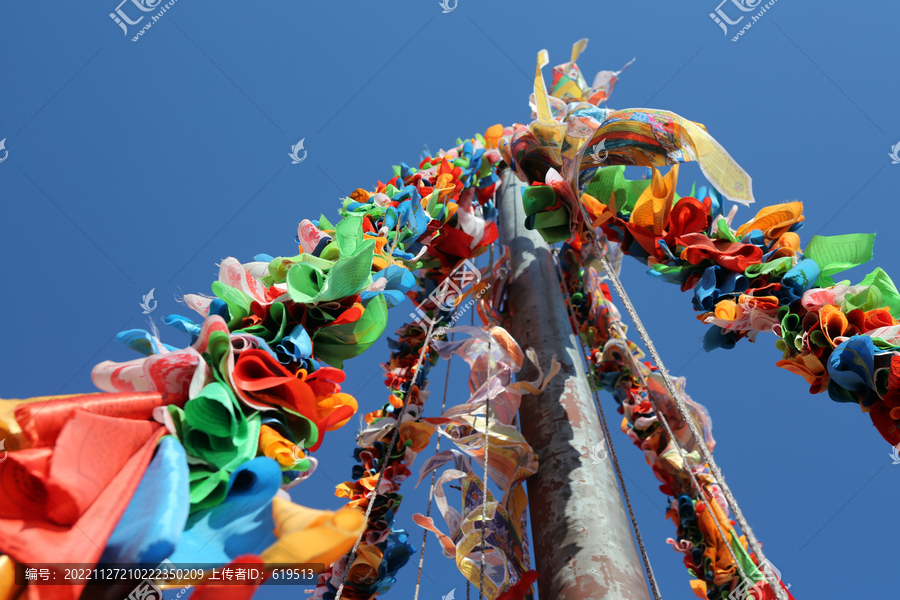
(583, 543)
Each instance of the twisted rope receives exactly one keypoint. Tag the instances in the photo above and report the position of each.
(487, 417)
(682, 409)
(394, 438)
(433, 476)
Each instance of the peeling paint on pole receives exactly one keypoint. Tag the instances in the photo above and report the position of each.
(583, 543)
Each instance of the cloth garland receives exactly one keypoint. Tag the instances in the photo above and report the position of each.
(841, 338)
(262, 376)
(708, 555)
(445, 202)
(384, 549)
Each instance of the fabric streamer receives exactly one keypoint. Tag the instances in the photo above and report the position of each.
(493, 357)
(155, 518)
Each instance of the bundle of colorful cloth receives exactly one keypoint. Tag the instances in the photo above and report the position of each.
(188, 453)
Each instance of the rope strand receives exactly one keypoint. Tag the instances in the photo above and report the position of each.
(636, 367)
(487, 445)
(468, 583)
(394, 438)
(433, 476)
(681, 452)
(682, 409)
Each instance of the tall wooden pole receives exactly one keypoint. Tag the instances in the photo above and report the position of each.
(583, 543)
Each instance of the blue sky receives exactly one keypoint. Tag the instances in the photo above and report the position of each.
(139, 165)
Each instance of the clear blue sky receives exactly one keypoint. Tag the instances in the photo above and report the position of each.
(139, 165)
